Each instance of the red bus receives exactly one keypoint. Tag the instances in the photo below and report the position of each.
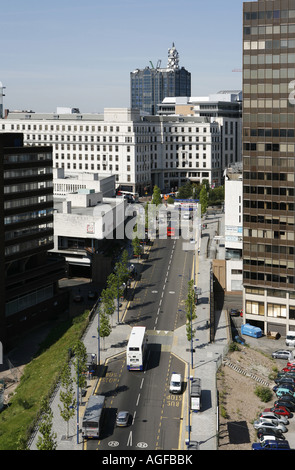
(170, 231)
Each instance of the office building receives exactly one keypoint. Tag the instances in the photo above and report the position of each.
(233, 229)
(29, 293)
(149, 86)
(269, 164)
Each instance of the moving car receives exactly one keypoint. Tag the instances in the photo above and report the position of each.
(282, 354)
(122, 418)
(175, 383)
(273, 424)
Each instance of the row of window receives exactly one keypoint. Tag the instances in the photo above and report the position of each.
(271, 278)
(270, 292)
(271, 234)
(269, 44)
(269, 29)
(269, 147)
(260, 248)
(269, 219)
(269, 118)
(267, 205)
(260, 132)
(268, 15)
(269, 263)
(272, 310)
(268, 190)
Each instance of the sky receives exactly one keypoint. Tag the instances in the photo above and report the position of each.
(79, 53)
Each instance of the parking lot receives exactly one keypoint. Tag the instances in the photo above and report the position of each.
(268, 346)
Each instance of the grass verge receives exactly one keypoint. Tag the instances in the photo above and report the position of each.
(39, 380)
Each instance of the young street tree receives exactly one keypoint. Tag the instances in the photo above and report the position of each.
(190, 310)
(80, 364)
(156, 196)
(47, 440)
(67, 397)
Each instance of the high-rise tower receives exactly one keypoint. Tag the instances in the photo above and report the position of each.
(149, 86)
(269, 164)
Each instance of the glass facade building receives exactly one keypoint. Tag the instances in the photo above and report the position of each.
(149, 86)
(29, 281)
(269, 164)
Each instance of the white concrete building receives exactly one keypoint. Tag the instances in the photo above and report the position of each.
(233, 237)
(139, 151)
(65, 183)
(83, 221)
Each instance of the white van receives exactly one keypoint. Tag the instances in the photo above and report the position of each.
(290, 339)
(175, 383)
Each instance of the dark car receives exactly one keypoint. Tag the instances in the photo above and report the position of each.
(234, 312)
(286, 380)
(270, 432)
(285, 385)
(290, 405)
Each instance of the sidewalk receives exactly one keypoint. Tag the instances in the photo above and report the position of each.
(206, 360)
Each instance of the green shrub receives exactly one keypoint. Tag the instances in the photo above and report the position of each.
(264, 393)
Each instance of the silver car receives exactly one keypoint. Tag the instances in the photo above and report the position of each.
(271, 424)
(268, 415)
(282, 354)
(122, 418)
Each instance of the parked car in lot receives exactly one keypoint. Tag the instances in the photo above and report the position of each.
(285, 385)
(271, 437)
(281, 391)
(270, 432)
(270, 415)
(273, 424)
(271, 445)
(283, 401)
(281, 375)
(280, 411)
(282, 354)
(286, 380)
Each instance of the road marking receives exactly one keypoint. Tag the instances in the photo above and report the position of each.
(138, 399)
(129, 442)
(171, 292)
(142, 380)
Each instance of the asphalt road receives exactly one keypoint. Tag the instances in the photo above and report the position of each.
(155, 415)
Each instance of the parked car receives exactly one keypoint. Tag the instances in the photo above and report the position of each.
(286, 380)
(268, 431)
(284, 385)
(288, 368)
(273, 424)
(271, 445)
(270, 415)
(283, 401)
(280, 411)
(282, 354)
(235, 312)
(271, 437)
(291, 363)
(92, 295)
(281, 375)
(284, 391)
(122, 418)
